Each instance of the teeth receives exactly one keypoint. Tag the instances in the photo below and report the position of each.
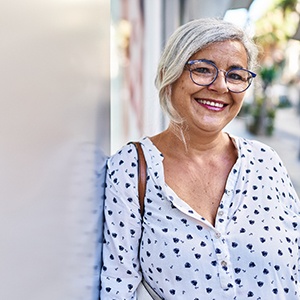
(211, 103)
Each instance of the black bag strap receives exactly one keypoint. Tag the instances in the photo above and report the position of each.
(142, 174)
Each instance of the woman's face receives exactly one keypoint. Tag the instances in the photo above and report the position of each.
(195, 104)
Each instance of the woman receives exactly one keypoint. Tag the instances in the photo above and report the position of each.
(221, 218)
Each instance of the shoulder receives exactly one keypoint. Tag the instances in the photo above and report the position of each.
(256, 148)
(123, 161)
(128, 153)
(263, 160)
(259, 155)
(125, 152)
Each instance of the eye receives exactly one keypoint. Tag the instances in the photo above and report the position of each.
(238, 75)
(203, 70)
(234, 76)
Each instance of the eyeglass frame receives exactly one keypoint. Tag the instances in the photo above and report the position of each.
(191, 62)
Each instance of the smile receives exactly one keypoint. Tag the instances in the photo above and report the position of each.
(211, 103)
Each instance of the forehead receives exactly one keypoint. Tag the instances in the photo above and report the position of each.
(225, 53)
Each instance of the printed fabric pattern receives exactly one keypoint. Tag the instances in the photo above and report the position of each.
(251, 252)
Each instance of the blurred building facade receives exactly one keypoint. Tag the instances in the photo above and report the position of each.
(139, 30)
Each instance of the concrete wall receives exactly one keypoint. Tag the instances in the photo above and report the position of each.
(54, 128)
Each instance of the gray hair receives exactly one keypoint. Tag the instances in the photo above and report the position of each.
(187, 40)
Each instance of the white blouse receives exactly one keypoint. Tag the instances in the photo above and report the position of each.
(251, 252)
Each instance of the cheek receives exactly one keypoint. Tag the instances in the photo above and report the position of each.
(178, 91)
(183, 87)
(239, 98)
(238, 103)
(178, 85)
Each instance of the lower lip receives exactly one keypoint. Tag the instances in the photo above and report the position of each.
(213, 108)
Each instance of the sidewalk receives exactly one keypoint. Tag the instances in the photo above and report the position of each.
(285, 140)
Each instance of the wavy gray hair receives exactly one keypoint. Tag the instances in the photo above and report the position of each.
(187, 40)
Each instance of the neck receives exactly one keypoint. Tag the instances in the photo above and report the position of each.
(183, 141)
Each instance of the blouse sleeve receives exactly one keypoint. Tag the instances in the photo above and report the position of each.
(286, 187)
(278, 179)
(121, 274)
(293, 204)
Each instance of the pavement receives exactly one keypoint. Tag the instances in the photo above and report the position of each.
(285, 139)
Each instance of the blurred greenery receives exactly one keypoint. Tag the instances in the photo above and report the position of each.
(268, 74)
(273, 30)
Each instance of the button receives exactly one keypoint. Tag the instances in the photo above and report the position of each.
(221, 213)
(223, 263)
(218, 235)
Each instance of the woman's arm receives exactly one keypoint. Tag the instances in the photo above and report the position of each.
(121, 274)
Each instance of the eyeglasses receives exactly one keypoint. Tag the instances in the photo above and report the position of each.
(204, 73)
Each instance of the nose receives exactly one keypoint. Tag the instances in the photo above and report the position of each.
(219, 84)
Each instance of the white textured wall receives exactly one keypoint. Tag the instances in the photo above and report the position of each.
(54, 127)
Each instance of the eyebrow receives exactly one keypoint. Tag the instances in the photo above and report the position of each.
(231, 67)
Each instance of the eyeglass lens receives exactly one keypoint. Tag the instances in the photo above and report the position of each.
(205, 73)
